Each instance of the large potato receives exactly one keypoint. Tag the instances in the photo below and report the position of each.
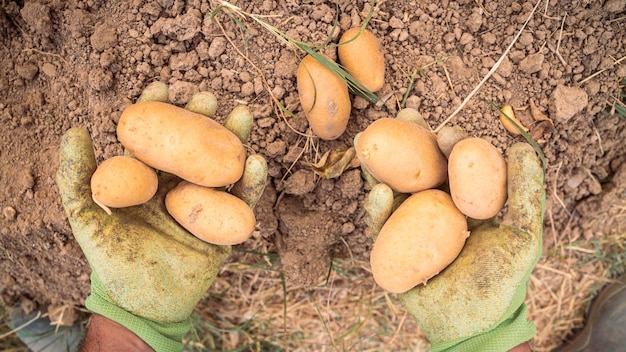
(123, 181)
(423, 236)
(213, 216)
(401, 154)
(324, 98)
(362, 57)
(189, 145)
(477, 177)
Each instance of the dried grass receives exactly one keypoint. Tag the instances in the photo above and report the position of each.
(569, 275)
(249, 306)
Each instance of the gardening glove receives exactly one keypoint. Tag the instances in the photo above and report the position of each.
(477, 302)
(148, 273)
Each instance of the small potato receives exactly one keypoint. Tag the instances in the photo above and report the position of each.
(423, 236)
(401, 154)
(186, 144)
(477, 177)
(362, 57)
(122, 181)
(213, 216)
(324, 98)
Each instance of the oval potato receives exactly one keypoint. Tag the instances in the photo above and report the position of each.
(122, 181)
(324, 98)
(178, 141)
(362, 57)
(423, 236)
(213, 216)
(477, 177)
(401, 154)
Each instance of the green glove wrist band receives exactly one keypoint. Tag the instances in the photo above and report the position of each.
(161, 337)
(511, 332)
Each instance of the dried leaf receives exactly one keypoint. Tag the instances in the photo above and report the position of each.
(541, 129)
(537, 114)
(334, 162)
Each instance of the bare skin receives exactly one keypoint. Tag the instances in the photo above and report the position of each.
(105, 335)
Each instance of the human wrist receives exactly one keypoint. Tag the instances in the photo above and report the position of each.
(104, 335)
(524, 347)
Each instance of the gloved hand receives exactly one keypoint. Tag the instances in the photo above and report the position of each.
(477, 302)
(148, 273)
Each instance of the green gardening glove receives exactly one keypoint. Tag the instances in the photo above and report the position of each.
(477, 302)
(148, 273)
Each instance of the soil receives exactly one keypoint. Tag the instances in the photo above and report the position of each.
(81, 62)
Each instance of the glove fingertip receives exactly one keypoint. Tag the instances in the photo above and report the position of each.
(77, 162)
(378, 207)
(204, 103)
(252, 184)
(525, 189)
(239, 122)
(155, 91)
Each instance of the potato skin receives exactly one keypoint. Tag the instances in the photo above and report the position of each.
(213, 216)
(402, 154)
(122, 181)
(423, 236)
(324, 98)
(178, 141)
(363, 58)
(477, 177)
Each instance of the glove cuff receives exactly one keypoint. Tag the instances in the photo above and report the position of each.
(160, 336)
(511, 332)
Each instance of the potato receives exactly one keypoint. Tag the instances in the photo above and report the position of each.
(213, 216)
(401, 154)
(189, 145)
(362, 58)
(324, 98)
(477, 177)
(122, 181)
(423, 236)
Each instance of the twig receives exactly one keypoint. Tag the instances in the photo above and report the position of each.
(21, 326)
(617, 62)
(445, 70)
(558, 42)
(556, 52)
(493, 69)
(46, 53)
(558, 168)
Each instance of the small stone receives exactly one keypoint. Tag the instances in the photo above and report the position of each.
(27, 71)
(532, 63)
(49, 69)
(217, 47)
(9, 213)
(566, 102)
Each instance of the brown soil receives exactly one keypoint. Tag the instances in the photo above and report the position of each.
(81, 62)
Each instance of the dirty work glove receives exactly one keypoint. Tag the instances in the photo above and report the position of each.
(477, 302)
(148, 273)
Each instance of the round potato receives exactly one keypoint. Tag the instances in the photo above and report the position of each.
(186, 144)
(477, 177)
(401, 154)
(362, 57)
(423, 236)
(213, 216)
(122, 181)
(324, 98)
